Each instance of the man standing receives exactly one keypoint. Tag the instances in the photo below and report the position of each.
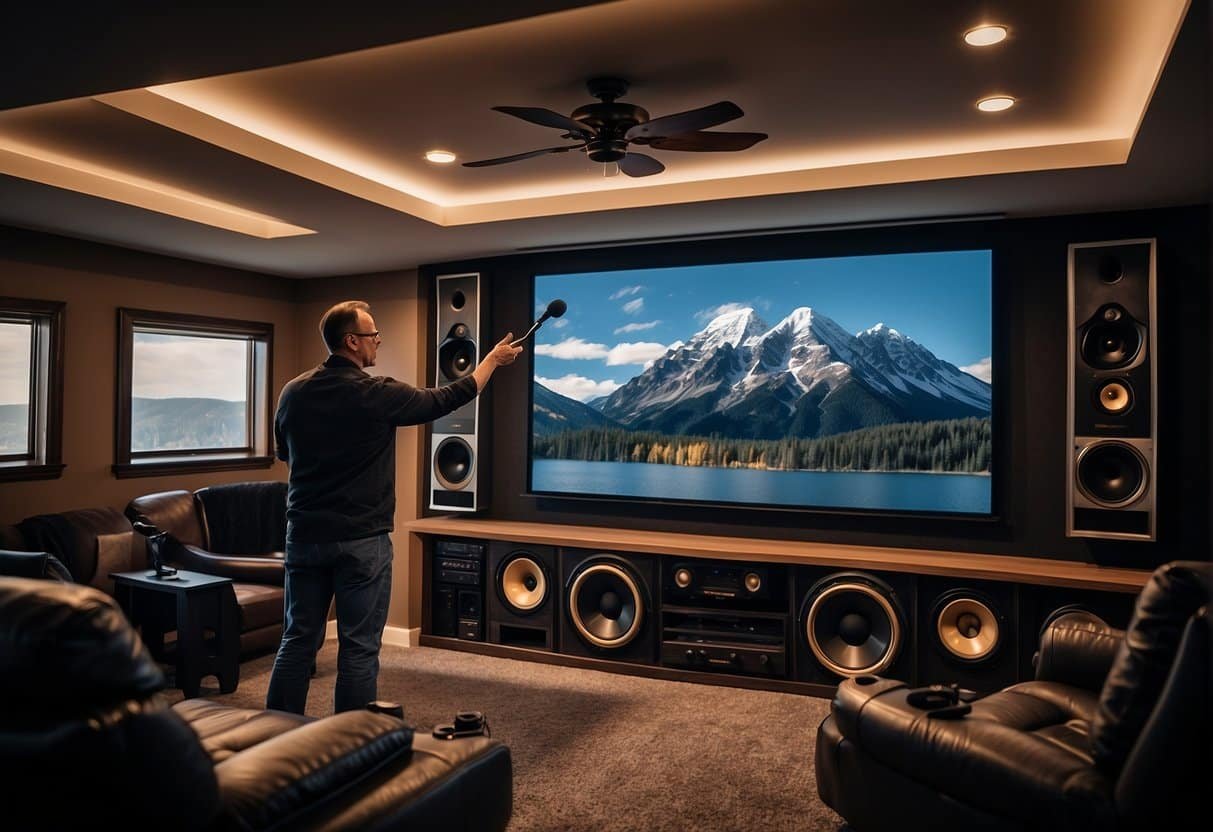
(336, 427)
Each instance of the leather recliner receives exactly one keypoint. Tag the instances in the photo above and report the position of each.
(1114, 733)
(86, 742)
(237, 531)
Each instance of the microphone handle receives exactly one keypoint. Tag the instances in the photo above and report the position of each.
(518, 342)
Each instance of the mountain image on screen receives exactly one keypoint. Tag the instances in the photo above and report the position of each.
(805, 377)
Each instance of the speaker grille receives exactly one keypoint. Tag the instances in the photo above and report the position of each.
(606, 605)
(853, 626)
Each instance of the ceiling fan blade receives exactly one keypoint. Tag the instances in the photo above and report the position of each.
(704, 142)
(638, 164)
(688, 122)
(520, 156)
(546, 118)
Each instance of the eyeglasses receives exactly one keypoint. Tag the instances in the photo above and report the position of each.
(374, 334)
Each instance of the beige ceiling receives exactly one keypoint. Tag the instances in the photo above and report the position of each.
(316, 167)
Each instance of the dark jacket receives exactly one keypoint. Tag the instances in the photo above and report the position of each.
(336, 427)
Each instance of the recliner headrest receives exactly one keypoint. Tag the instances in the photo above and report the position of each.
(67, 645)
(1175, 592)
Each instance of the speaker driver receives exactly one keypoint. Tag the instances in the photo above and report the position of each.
(1112, 474)
(853, 628)
(457, 356)
(522, 583)
(966, 627)
(453, 463)
(606, 605)
(1114, 397)
(1112, 340)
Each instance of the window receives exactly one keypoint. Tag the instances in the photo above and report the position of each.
(31, 389)
(193, 394)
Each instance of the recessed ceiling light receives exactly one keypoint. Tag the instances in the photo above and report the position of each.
(996, 103)
(987, 35)
(442, 157)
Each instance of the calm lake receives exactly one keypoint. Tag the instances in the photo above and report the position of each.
(969, 493)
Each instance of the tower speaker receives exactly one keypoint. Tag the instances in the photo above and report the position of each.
(854, 624)
(1040, 605)
(1112, 420)
(967, 633)
(457, 480)
(526, 593)
(608, 610)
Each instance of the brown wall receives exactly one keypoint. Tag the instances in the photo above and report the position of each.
(95, 281)
(399, 317)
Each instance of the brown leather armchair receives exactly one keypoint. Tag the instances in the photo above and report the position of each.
(86, 742)
(1114, 733)
(237, 531)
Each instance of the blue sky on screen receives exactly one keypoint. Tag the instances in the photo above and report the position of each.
(617, 321)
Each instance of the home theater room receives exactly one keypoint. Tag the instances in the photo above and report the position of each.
(754, 415)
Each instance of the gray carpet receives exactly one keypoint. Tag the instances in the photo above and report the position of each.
(596, 751)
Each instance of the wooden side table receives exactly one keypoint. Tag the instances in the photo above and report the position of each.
(193, 603)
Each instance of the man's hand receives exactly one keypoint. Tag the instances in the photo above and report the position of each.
(501, 355)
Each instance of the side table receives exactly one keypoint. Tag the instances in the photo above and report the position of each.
(196, 602)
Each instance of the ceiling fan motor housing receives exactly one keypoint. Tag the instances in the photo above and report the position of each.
(609, 121)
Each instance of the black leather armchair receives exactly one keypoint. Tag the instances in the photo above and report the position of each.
(86, 743)
(1114, 733)
(237, 531)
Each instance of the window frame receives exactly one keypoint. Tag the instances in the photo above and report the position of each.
(44, 457)
(257, 452)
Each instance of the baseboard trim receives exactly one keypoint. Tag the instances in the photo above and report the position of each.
(395, 636)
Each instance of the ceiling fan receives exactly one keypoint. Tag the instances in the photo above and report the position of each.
(604, 131)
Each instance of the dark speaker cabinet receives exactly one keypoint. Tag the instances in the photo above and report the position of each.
(609, 606)
(968, 633)
(862, 623)
(524, 595)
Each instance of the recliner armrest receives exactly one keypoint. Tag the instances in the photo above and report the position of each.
(278, 782)
(1077, 649)
(258, 569)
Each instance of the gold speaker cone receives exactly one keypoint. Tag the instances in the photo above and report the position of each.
(1114, 397)
(822, 652)
(583, 627)
(753, 581)
(514, 580)
(968, 629)
(682, 577)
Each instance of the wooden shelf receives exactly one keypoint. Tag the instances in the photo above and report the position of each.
(1012, 568)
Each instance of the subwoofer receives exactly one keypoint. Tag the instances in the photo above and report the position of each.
(457, 481)
(608, 609)
(526, 592)
(1112, 420)
(967, 633)
(854, 624)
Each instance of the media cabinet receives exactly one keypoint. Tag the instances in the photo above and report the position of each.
(790, 616)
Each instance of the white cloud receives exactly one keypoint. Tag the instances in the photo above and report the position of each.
(573, 349)
(705, 315)
(639, 352)
(625, 291)
(636, 327)
(633, 306)
(982, 369)
(14, 363)
(561, 323)
(579, 387)
(168, 366)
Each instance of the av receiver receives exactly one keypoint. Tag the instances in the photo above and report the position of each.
(458, 595)
(722, 642)
(736, 585)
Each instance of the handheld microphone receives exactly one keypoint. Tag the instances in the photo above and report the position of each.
(555, 309)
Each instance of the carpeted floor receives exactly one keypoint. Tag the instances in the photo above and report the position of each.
(597, 751)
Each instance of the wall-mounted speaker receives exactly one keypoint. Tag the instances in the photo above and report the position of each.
(854, 624)
(967, 633)
(609, 610)
(1112, 421)
(526, 593)
(1040, 605)
(457, 479)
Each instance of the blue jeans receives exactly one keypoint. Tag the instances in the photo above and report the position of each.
(359, 574)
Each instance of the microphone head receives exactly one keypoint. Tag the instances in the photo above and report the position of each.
(557, 308)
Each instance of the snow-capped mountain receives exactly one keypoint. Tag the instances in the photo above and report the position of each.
(805, 376)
